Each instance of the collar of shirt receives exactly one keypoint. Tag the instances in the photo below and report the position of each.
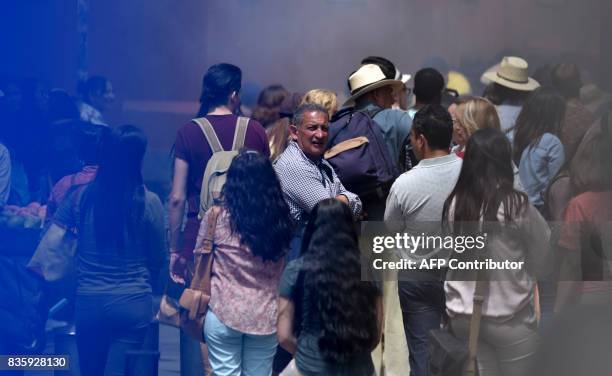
(429, 162)
(368, 106)
(321, 164)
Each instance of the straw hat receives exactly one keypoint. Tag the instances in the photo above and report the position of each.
(367, 78)
(512, 73)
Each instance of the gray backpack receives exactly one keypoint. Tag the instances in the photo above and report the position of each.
(217, 166)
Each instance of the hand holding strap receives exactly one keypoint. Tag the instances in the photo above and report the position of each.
(480, 293)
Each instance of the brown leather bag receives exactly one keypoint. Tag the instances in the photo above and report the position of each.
(194, 300)
(189, 312)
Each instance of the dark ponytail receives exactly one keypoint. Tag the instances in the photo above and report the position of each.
(219, 82)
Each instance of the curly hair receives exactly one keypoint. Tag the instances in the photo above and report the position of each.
(346, 305)
(258, 212)
(326, 98)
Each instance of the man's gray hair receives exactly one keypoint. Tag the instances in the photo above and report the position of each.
(298, 115)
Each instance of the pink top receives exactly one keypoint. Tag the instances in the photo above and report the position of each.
(63, 186)
(244, 287)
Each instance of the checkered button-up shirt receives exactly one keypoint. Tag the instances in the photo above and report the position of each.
(306, 182)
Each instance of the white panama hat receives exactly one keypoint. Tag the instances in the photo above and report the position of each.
(512, 73)
(367, 78)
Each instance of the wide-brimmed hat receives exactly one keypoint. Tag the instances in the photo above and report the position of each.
(512, 73)
(367, 78)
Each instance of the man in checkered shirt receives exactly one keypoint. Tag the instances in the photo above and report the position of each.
(306, 178)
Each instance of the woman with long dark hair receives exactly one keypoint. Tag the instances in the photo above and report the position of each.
(516, 232)
(537, 149)
(121, 246)
(338, 316)
(252, 234)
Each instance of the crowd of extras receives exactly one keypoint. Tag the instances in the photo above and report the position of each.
(287, 293)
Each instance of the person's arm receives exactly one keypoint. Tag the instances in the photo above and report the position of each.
(393, 210)
(559, 195)
(568, 288)
(349, 198)
(556, 158)
(539, 252)
(569, 252)
(176, 211)
(157, 244)
(284, 325)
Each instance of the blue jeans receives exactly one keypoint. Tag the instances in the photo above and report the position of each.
(422, 305)
(295, 247)
(231, 352)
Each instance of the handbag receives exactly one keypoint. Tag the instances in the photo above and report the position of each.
(169, 311)
(189, 312)
(54, 256)
(451, 356)
(291, 369)
(53, 259)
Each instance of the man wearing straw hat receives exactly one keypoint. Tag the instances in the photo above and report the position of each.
(510, 85)
(372, 89)
(373, 92)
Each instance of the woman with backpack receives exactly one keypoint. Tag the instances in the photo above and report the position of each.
(120, 248)
(252, 231)
(219, 106)
(515, 231)
(321, 290)
(537, 149)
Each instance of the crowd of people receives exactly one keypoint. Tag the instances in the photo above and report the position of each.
(288, 295)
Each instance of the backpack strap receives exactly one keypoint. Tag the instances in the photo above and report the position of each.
(209, 133)
(78, 208)
(350, 112)
(206, 253)
(348, 121)
(240, 133)
(481, 292)
(371, 113)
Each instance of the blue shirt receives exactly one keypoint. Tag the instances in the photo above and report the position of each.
(507, 118)
(395, 126)
(538, 166)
